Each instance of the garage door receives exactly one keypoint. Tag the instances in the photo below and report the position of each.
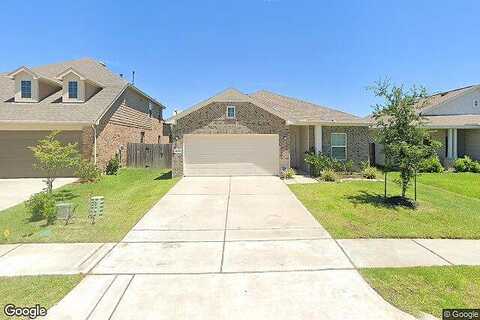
(231, 155)
(16, 160)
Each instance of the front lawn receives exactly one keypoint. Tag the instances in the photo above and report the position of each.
(355, 209)
(467, 184)
(128, 196)
(29, 291)
(427, 289)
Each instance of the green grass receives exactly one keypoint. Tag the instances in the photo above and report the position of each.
(427, 289)
(31, 290)
(128, 196)
(467, 184)
(355, 209)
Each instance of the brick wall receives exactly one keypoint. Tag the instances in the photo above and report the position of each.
(122, 124)
(357, 142)
(211, 119)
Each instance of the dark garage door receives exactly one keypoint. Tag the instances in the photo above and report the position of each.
(16, 160)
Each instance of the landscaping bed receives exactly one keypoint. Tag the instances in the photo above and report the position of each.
(357, 209)
(427, 289)
(128, 196)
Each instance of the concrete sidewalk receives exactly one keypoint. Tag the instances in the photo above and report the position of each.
(72, 258)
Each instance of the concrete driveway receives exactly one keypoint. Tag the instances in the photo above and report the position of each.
(226, 248)
(15, 191)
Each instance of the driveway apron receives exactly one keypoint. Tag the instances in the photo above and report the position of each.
(226, 248)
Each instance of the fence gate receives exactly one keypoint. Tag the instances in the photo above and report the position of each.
(141, 155)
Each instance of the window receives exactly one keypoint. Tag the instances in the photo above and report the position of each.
(476, 104)
(150, 109)
(339, 146)
(26, 89)
(142, 137)
(72, 89)
(231, 112)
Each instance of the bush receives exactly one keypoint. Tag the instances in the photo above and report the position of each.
(329, 175)
(348, 167)
(42, 206)
(431, 165)
(317, 163)
(369, 172)
(88, 172)
(112, 166)
(288, 173)
(466, 164)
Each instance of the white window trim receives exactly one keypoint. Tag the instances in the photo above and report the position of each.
(234, 112)
(338, 146)
(21, 89)
(68, 89)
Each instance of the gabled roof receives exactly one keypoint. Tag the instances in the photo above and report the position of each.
(33, 74)
(293, 111)
(442, 97)
(52, 109)
(227, 95)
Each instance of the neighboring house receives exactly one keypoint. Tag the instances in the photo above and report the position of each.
(92, 106)
(453, 118)
(259, 134)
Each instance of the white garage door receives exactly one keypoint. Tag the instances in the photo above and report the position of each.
(231, 154)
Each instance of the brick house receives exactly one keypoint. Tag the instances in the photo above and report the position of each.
(261, 133)
(87, 102)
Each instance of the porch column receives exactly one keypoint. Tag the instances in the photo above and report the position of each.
(318, 139)
(450, 144)
(455, 144)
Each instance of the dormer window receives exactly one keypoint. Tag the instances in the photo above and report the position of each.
(231, 114)
(72, 89)
(76, 87)
(26, 89)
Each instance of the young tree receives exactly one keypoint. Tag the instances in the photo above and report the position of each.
(406, 142)
(52, 156)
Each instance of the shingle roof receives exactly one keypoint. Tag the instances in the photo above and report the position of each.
(291, 110)
(454, 121)
(299, 111)
(438, 98)
(51, 109)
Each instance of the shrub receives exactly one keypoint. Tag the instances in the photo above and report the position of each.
(329, 175)
(288, 173)
(432, 164)
(112, 166)
(88, 172)
(348, 167)
(317, 163)
(466, 164)
(369, 172)
(40, 206)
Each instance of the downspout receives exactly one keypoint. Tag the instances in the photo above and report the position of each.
(94, 144)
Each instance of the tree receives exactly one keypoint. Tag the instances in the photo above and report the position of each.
(400, 129)
(52, 156)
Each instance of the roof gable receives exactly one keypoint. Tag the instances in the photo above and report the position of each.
(225, 96)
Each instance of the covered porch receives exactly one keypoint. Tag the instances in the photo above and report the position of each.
(457, 143)
(341, 142)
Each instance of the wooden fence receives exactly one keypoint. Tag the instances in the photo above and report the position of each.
(141, 155)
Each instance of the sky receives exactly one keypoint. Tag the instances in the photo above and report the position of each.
(326, 52)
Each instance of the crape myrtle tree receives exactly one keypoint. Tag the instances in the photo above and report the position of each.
(406, 141)
(53, 156)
